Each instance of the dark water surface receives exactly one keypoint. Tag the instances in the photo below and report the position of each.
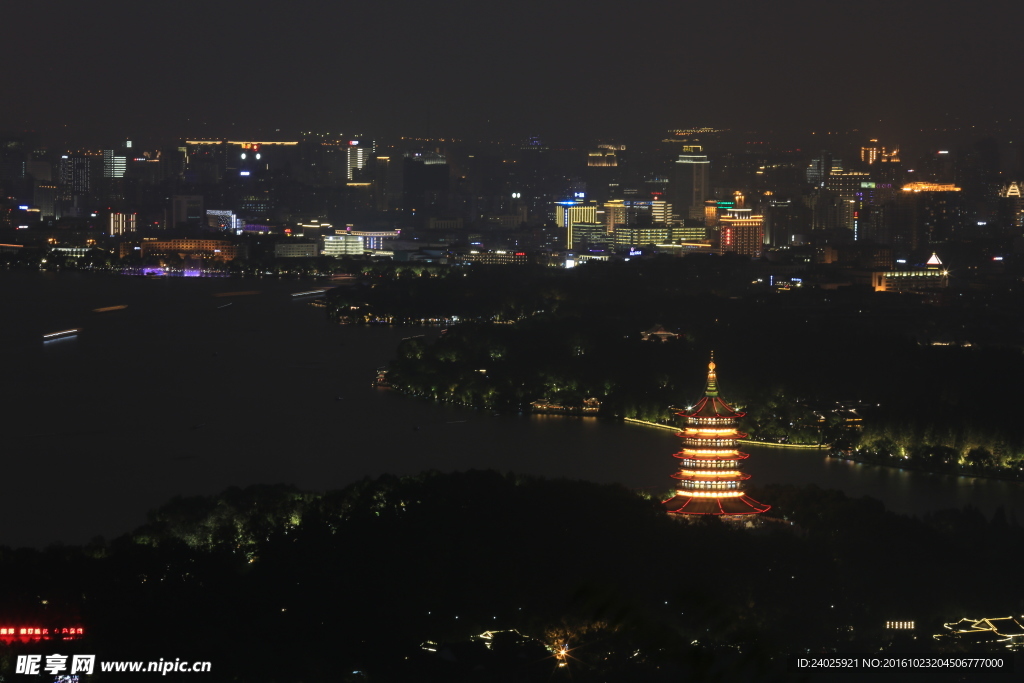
(180, 393)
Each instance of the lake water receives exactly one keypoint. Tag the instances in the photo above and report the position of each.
(181, 393)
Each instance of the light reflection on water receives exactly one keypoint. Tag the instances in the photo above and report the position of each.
(176, 394)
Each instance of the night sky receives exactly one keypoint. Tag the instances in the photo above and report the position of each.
(93, 73)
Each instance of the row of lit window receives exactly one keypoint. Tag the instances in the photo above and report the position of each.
(711, 420)
(39, 631)
(710, 464)
(710, 485)
(903, 625)
(690, 441)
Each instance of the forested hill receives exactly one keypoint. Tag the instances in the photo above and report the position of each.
(395, 577)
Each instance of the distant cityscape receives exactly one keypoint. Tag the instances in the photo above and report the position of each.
(864, 211)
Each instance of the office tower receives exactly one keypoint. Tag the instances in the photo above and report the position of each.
(120, 223)
(573, 211)
(689, 184)
(847, 188)
(381, 183)
(925, 213)
(343, 244)
(187, 210)
(741, 232)
(114, 164)
(1011, 209)
(822, 167)
(357, 155)
(642, 235)
(425, 182)
(46, 197)
(585, 236)
(614, 214)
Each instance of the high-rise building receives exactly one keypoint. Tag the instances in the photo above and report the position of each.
(45, 196)
(587, 235)
(848, 190)
(709, 476)
(572, 211)
(1011, 208)
(382, 183)
(741, 232)
(873, 153)
(925, 213)
(343, 244)
(120, 223)
(358, 155)
(690, 183)
(425, 182)
(187, 209)
(75, 176)
(821, 168)
(114, 164)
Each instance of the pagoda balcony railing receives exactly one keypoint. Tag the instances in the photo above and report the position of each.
(709, 451)
(718, 421)
(712, 435)
(686, 485)
(711, 464)
(719, 443)
(711, 476)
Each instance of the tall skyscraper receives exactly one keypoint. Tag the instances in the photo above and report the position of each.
(689, 184)
(358, 155)
(848, 188)
(114, 164)
(425, 182)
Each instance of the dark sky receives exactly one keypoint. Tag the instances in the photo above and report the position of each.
(564, 69)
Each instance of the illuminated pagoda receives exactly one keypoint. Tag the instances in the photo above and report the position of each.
(710, 480)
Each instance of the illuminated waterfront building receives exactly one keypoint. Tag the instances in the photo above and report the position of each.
(210, 250)
(709, 476)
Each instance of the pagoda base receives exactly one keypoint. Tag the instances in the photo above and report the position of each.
(727, 505)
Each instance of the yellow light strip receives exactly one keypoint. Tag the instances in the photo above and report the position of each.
(709, 473)
(710, 494)
(707, 451)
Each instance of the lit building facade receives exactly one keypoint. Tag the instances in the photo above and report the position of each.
(212, 250)
(358, 154)
(121, 223)
(709, 478)
(343, 244)
(741, 232)
(933, 276)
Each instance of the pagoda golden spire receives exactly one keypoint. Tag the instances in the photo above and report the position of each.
(712, 388)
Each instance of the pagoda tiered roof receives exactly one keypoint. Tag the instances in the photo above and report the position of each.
(718, 505)
(710, 480)
(712, 406)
